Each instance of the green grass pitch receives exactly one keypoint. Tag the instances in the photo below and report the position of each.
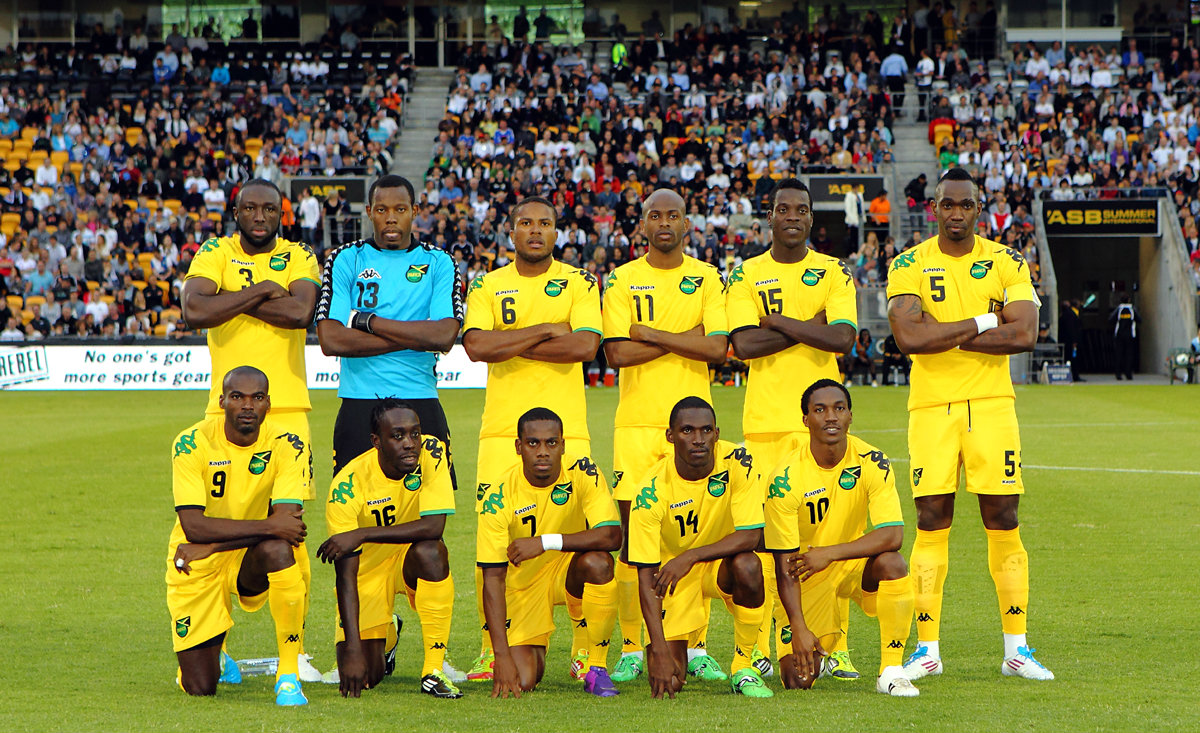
(1110, 520)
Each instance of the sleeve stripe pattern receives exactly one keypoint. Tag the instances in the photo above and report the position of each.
(327, 282)
(458, 307)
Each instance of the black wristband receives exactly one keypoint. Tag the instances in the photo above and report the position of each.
(362, 321)
(367, 323)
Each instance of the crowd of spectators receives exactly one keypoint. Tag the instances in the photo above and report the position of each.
(710, 111)
(121, 155)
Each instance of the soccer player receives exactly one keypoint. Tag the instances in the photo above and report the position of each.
(546, 531)
(959, 305)
(388, 305)
(791, 310)
(239, 481)
(818, 503)
(255, 292)
(386, 513)
(695, 522)
(535, 322)
(664, 323)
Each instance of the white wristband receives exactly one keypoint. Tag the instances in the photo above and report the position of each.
(986, 322)
(350, 319)
(551, 542)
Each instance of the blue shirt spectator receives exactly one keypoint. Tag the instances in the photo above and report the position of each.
(220, 75)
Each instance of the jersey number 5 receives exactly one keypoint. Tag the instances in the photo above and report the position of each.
(937, 288)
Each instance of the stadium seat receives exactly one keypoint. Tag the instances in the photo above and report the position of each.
(132, 134)
(173, 204)
(107, 299)
(144, 259)
(160, 330)
(15, 303)
(93, 285)
(6, 145)
(29, 133)
(34, 301)
(27, 316)
(12, 165)
(60, 158)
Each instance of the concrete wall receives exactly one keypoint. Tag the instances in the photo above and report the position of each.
(1167, 300)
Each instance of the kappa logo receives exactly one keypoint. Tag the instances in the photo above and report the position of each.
(895, 644)
(343, 492)
(186, 444)
(605, 642)
(736, 276)
(555, 286)
(879, 459)
(415, 273)
(210, 245)
(980, 269)
(717, 483)
(690, 284)
(1014, 255)
(743, 458)
(846, 271)
(924, 617)
(292, 639)
(812, 276)
(916, 476)
(1014, 611)
(437, 645)
(433, 447)
(850, 476)
(904, 259)
(280, 261)
(494, 502)
(588, 278)
(371, 274)
(294, 441)
(581, 623)
(647, 497)
(259, 461)
(779, 485)
(476, 284)
(561, 493)
(585, 465)
(183, 626)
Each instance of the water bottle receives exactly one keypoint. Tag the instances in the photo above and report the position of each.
(261, 666)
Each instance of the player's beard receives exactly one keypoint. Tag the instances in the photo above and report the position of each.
(260, 242)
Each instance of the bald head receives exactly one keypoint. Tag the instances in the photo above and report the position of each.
(663, 199)
(664, 221)
(245, 376)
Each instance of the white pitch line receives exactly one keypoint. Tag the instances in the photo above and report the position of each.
(1093, 468)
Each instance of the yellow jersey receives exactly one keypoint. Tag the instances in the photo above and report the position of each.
(245, 340)
(669, 515)
(799, 290)
(228, 481)
(579, 499)
(954, 289)
(674, 300)
(810, 505)
(504, 300)
(361, 495)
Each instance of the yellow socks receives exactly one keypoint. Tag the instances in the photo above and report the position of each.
(305, 564)
(579, 622)
(600, 610)
(629, 608)
(894, 608)
(434, 602)
(485, 645)
(1009, 564)
(746, 625)
(771, 589)
(929, 562)
(285, 595)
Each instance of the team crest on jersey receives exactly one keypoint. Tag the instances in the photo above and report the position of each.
(280, 261)
(916, 475)
(850, 476)
(617, 476)
(690, 284)
(412, 481)
(555, 286)
(481, 490)
(812, 276)
(980, 269)
(415, 273)
(785, 634)
(717, 483)
(779, 485)
(995, 306)
(370, 274)
(259, 461)
(561, 493)
(183, 626)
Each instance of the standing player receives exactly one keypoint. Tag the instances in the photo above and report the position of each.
(388, 305)
(792, 310)
(820, 498)
(535, 322)
(386, 513)
(239, 481)
(255, 293)
(555, 524)
(664, 323)
(960, 304)
(696, 519)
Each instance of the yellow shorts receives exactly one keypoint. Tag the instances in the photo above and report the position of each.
(635, 451)
(686, 610)
(980, 435)
(769, 449)
(819, 596)
(497, 456)
(377, 591)
(531, 609)
(200, 603)
(296, 421)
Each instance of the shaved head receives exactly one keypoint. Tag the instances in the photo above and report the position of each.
(663, 199)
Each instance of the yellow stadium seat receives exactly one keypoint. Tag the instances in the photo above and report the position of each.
(160, 330)
(76, 170)
(6, 145)
(8, 230)
(93, 284)
(26, 317)
(15, 303)
(37, 155)
(12, 165)
(132, 134)
(35, 301)
(29, 133)
(144, 259)
(60, 158)
(17, 155)
(173, 204)
(107, 299)
(139, 284)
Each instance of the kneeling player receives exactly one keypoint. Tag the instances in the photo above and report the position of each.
(693, 527)
(239, 482)
(537, 520)
(820, 498)
(386, 514)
